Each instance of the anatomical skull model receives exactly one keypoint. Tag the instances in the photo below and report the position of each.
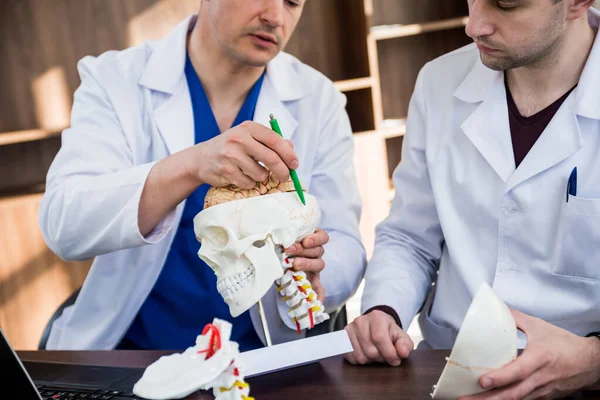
(487, 340)
(211, 364)
(243, 234)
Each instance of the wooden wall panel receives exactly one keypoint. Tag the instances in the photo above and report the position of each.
(33, 281)
(400, 61)
(330, 37)
(38, 35)
(389, 12)
(41, 43)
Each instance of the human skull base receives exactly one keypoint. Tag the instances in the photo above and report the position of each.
(240, 241)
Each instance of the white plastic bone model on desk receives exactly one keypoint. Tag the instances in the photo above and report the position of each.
(213, 363)
(487, 340)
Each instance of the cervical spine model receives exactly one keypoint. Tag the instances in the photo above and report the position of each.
(306, 310)
(243, 234)
(211, 364)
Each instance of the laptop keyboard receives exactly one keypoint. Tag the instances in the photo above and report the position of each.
(50, 392)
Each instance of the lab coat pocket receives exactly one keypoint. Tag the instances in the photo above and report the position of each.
(436, 335)
(578, 240)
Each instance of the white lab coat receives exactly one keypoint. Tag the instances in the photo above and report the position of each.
(132, 109)
(461, 207)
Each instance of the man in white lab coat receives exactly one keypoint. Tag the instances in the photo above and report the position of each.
(152, 128)
(495, 131)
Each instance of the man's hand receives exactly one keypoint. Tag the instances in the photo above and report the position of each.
(554, 364)
(230, 158)
(308, 258)
(233, 157)
(376, 337)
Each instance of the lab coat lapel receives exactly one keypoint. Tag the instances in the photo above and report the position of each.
(270, 103)
(562, 137)
(281, 87)
(175, 120)
(487, 127)
(560, 140)
(164, 77)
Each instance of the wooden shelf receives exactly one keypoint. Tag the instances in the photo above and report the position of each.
(366, 133)
(26, 136)
(393, 128)
(354, 84)
(384, 32)
(393, 133)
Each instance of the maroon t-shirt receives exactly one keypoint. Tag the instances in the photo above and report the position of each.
(525, 131)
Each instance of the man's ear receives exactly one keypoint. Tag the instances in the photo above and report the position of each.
(578, 8)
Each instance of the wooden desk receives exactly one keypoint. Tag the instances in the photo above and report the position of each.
(333, 378)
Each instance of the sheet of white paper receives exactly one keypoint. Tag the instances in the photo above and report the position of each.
(295, 353)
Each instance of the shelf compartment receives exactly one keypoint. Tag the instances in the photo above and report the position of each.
(400, 61)
(25, 165)
(384, 32)
(359, 107)
(405, 12)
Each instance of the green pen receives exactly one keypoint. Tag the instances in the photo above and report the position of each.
(297, 185)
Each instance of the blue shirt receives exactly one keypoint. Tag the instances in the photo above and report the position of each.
(185, 298)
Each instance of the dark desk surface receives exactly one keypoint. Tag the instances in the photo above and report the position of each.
(333, 378)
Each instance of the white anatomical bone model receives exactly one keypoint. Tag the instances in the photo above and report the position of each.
(487, 340)
(243, 234)
(211, 364)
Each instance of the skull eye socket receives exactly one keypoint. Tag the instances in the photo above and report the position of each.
(218, 237)
(259, 243)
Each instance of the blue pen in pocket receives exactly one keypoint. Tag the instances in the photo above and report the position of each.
(572, 185)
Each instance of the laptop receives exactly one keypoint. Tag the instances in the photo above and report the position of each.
(59, 381)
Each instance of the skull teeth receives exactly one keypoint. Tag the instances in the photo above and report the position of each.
(227, 287)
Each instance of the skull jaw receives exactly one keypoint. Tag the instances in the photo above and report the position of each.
(247, 296)
(267, 270)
